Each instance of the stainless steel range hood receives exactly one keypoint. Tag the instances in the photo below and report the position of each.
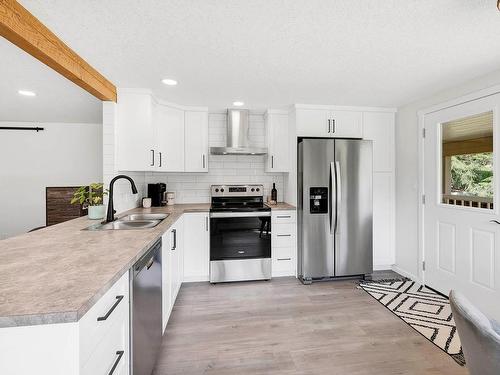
(237, 142)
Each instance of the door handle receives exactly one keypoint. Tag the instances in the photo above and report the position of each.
(119, 353)
(338, 191)
(333, 204)
(495, 221)
(118, 300)
(174, 233)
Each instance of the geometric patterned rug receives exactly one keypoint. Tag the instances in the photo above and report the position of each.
(424, 310)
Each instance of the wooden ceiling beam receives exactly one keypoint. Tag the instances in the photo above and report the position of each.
(24, 30)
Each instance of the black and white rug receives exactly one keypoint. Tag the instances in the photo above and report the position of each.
(421, 308)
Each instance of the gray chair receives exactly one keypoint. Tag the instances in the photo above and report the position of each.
(480, 337)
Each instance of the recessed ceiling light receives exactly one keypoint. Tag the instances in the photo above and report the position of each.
(26, 93)
(169, 81)
(238, 104)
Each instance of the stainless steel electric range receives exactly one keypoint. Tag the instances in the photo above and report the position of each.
(240, 234)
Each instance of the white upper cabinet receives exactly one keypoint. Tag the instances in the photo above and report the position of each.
(170, 137)
(277, 137)
(158, 136)
(196, 141)
(329, 123)
(379, 127)
(134, 131)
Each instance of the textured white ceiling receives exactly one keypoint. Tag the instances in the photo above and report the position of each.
(277, 52)
(57, 100)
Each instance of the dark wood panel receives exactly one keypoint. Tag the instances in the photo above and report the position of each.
(58, 207)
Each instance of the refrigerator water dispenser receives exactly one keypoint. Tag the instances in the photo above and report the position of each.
(318, 200)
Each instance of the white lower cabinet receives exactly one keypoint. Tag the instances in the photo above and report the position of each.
(172, 267)
(196, 246)
(95, 344)
(284, 243)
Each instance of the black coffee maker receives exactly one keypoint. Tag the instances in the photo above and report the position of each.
(156, 192)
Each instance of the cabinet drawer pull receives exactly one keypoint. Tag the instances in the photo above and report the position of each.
(283, 235)
(333, 126)
(160, 158)
(272, 161)
(203, 161)
(283, 217)
(119, 353)
(118, 300)
(174, 233)
(329, 126)
(152, 158)
(284, 258)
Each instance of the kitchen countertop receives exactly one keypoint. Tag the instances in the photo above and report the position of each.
(281, 206)
(56, 274)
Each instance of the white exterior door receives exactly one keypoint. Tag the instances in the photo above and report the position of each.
(461, 243)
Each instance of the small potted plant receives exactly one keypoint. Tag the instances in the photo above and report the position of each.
(91, 197)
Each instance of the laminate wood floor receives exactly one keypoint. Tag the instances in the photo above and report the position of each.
(284, 327)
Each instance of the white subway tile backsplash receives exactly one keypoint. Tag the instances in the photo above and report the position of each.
(223, 169)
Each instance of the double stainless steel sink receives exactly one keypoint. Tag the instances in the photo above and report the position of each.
(132, 221)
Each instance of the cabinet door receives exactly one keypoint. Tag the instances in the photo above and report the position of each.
(196, 141)
(312, 123)
(196, 247)
(278, 157)
(170, 138)
(134, 132)
(379, 127)
(346, 124)
(166, 265)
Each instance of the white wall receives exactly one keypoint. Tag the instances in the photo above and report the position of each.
(123, 199)
(61, 155)
(223, 169)
(407, 200)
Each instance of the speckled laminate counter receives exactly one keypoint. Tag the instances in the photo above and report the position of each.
(281, 206)
(56, 274)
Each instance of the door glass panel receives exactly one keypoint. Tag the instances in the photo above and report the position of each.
(467, 161)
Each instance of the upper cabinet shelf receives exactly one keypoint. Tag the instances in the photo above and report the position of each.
(160, 137)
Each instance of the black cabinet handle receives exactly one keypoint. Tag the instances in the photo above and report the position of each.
(333, 125)
(174, 232)
(284, 258)
(160, 158)
(329, 126)
(119, 353)
(283, 235)
(284, 217)
(206, 223)
(118, 300)
(203, 161)
(152, 158)
(272, 161)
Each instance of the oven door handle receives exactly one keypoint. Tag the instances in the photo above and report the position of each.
(240, 214)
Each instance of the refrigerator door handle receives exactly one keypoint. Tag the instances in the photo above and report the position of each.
(338, 191)
(333, 203)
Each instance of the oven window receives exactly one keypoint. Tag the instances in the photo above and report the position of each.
(240, 238)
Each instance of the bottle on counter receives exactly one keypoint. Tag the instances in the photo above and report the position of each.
(274, 193)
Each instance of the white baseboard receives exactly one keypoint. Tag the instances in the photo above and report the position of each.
(382, 267)
(404, 273)
(195, 279)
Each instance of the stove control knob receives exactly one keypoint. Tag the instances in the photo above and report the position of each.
(252, 190)
(258, 189)
(222, 190)
(217, 190)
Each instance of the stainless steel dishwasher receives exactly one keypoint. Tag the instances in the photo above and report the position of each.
(146, 314)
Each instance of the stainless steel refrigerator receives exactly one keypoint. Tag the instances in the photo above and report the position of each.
(334, 208)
